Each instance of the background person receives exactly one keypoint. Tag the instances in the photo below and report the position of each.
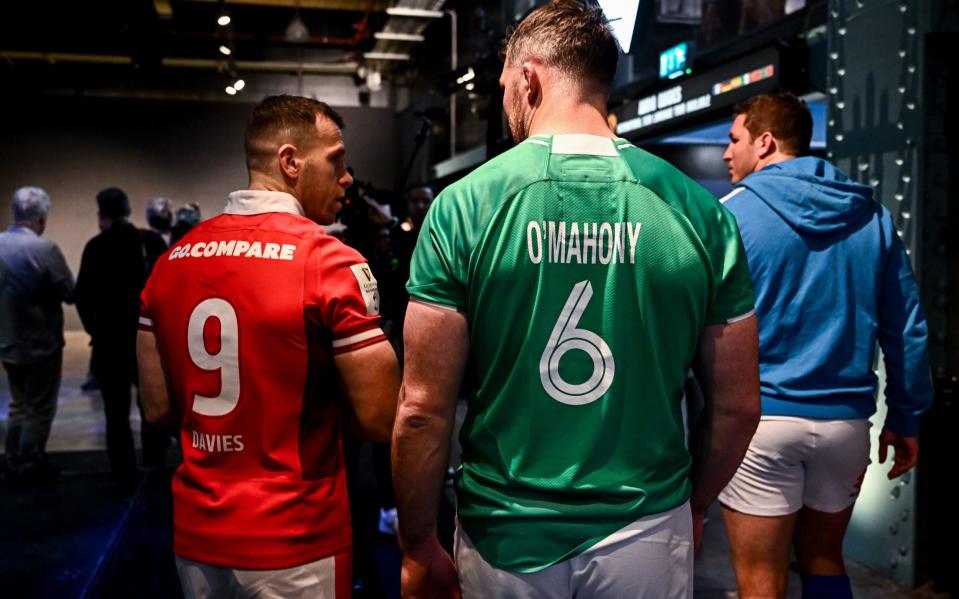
(832, 278)
(113, 269)
(34, 281)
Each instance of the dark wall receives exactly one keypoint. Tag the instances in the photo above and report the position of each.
(704, 163)
(186, 151)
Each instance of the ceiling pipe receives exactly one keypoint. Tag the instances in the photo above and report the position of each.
(319, 68)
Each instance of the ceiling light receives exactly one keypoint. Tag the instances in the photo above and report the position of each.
(470, 87)
(469, 76)
(399, 37)
(223, 20)
(385, 56)
(231, 90)
(239, 85)
(225, 51)
(399, 11)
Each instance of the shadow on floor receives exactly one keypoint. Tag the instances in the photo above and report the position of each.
(88, 534)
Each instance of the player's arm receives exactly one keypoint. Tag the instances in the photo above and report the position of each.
(727, 369)
(154, 391)
(371, 379)
(902, 335)
(436, 348)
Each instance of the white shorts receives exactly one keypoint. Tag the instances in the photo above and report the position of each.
(652, 558)
(795, 462)
(320, 579)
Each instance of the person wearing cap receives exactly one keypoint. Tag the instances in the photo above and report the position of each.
(113, 270)
(34, 281)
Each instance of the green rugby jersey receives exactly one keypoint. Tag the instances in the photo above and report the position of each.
(587, 269)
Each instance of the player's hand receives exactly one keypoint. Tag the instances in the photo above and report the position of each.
(699, 523)
(906, 451)
(428, 572)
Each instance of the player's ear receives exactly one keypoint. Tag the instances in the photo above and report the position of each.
(286, 157)
(533, 85)
(766, 144)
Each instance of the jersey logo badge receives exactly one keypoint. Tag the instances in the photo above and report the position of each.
(368, 288)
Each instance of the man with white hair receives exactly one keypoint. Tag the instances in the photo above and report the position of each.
(34, 280)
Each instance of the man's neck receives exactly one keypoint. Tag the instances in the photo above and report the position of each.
(262, 182)
(28, 225)
(774, 158)
(560, 115)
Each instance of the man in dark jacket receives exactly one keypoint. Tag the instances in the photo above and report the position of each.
(113, 270)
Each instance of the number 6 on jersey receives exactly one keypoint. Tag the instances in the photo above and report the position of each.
(226, 360)
(566, 337)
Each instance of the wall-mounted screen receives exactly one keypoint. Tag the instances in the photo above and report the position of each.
(672, 105)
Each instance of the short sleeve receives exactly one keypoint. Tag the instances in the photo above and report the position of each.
(341, 285)
(438, 270)
(734, 297)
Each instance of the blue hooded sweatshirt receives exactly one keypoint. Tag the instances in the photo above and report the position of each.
(832, 278)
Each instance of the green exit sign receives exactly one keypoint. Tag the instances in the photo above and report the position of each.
(674, 62)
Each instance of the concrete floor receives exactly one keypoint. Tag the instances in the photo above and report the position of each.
(79, 426)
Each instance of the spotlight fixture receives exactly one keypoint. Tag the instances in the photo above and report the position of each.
(223, 20)
(231, 90)
(239, 85)
(374, 80)
(468, 76)
(225, 50)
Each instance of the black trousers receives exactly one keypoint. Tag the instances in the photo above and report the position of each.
(115, 371)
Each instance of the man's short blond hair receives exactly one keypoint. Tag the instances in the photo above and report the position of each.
(569, 37)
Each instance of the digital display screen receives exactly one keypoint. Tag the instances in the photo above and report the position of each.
(682, 102)
(674, 62)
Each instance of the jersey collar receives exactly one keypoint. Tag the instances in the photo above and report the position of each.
(247, 202)
(578, 143)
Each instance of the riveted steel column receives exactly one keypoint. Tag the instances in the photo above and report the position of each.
(874, 135)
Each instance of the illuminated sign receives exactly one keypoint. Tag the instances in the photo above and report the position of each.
(700, 95)
(743, 80)
(674, 62)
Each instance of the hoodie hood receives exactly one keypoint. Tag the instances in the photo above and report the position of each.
(812, 195)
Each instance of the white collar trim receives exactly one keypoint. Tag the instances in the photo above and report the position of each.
(247, 202)
(578, 143)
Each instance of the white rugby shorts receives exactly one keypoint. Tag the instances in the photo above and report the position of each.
(795, 462)
(651, 558)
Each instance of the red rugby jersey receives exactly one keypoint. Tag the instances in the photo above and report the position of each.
(248, 310)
